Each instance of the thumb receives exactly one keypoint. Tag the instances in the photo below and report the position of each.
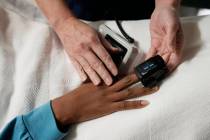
(171, 37)
(155, 43)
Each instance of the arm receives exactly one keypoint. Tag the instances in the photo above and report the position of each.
(166, 33)
(82, 43)
(39, 124)
(84, 103)
(56, 11)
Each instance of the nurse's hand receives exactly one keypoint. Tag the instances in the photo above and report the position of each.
(90, 102)
(166, 36)
(85, 48)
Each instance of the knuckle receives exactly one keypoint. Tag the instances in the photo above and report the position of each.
(108, 96)
(123, 106)
(129, 92)
(97, 65)
(86, 67)
(92, 39)
(127, 79)
(107, 58)
(88, 70)
(136, 104)
(81, 48)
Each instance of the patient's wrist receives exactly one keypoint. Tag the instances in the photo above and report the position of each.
(60, 114)
(61, 127)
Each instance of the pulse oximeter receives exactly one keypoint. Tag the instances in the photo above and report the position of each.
(152, 71)
(117, 41)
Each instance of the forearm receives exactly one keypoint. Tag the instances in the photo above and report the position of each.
(56, 11)
(173, 3)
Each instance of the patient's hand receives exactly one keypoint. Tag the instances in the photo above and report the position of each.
(89, 102)
(166, 35)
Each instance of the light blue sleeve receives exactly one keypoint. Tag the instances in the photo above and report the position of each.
(39, 124)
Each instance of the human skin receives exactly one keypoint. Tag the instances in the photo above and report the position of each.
(166, 33)
(82, 43)
(89, 102)
(90, 55)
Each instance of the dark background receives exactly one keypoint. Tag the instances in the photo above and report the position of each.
(196, 3)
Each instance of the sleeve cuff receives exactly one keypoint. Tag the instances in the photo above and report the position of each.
(41, 124)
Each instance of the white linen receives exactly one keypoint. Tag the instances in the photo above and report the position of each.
(34, 68)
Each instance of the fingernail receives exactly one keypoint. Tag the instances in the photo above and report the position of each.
(108, 81)
(97, 82)
(119, 49)
(144, 102)
(84, 78)
(115, 72)
(155, 88)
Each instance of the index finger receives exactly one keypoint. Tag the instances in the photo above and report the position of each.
(125, 82)
(127, 105)
(102, 53)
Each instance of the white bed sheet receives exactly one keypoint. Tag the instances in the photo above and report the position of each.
(34, 68)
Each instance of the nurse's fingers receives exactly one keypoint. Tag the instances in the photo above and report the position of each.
(79, 69)
(99, 67)
(89, 71)
(102, 53)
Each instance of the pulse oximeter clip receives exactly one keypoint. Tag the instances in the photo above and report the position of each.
(152, 71)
